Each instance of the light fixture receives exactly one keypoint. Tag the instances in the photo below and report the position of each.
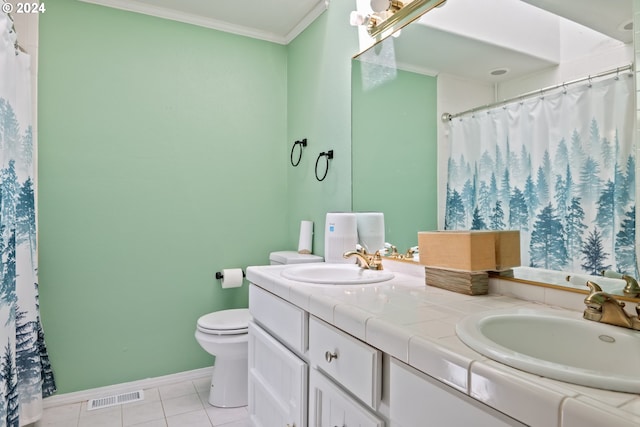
(499, 71)
(386, 6)
(387, 16)
(626, 25)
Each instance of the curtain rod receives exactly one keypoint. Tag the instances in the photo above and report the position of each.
(447, 117)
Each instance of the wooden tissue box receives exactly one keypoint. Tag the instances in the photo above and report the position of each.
(470, 250)
(459, 250)
(507, 249)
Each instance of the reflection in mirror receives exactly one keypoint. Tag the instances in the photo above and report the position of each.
(472, 65)
(394, 149)
(574, 282)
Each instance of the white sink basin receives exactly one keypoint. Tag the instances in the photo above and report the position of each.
(557, 345)
(335, 274)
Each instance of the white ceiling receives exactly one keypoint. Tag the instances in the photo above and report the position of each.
(605, 16)
(490, 34)
(278, 21)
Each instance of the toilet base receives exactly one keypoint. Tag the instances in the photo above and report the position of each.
(229, 383)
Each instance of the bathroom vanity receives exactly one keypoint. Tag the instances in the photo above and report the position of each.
(386, 354)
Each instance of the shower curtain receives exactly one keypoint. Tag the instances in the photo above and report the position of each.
(559, 167)
(25, 372)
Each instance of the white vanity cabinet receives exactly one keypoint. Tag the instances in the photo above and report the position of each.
(344, 390)
(304, 371)
(415, 399)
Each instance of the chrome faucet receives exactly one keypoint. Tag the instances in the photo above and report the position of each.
(365, 260)
(631, 289)
(605, 308)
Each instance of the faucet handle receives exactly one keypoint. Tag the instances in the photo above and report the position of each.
(631, 284)
(593, 287)
(596, 297)
(632, 288)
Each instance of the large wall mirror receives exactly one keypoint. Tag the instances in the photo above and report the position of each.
(462, 55)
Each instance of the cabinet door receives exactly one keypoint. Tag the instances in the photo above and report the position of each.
(329, 406)
(277, 382)
(416, 399)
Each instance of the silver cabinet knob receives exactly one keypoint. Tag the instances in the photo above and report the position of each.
(330, 356)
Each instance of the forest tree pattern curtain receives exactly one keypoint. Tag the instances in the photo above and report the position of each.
(559, 167)
(25, 372)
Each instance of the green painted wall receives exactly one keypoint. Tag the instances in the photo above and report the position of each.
(395, 149)
(319, 102)
(162, 159)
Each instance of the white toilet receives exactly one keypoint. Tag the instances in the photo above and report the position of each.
(224, 334)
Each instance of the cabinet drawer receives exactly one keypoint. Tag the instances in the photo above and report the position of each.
(284, 320)
(350, 362)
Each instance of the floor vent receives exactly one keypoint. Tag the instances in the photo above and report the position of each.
(105, 402)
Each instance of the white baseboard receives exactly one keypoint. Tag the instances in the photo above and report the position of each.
(94, 393)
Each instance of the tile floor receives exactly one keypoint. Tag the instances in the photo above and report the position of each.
(182, 404)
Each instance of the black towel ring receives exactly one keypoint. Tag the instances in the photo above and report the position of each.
(302, 143)
(329, 156)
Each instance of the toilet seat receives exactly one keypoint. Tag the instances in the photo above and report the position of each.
(225, 322)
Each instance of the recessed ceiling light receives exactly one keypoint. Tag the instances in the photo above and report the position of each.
(499, 71)
(626, 25)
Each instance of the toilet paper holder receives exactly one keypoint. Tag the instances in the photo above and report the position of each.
(220, 276)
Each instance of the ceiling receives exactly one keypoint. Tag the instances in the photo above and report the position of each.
(278, 21)
(606, 16)
(522, 36)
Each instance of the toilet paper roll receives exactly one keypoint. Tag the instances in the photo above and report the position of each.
(231, 278)
(306, 237)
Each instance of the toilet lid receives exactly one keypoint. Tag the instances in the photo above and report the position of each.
(234, 321)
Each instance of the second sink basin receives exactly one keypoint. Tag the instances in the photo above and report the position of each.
(557, 345)
(335, 274)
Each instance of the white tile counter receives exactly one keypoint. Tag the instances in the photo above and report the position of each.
(415, 323)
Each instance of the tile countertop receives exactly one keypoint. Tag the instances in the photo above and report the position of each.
(415, 323)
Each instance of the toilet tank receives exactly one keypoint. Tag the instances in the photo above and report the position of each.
(292, 257)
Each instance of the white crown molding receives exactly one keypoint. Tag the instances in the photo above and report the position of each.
(188, 18)
(320, 7)
(147, 383)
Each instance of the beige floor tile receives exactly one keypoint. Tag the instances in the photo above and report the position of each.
(137, 414)
(221, 416)
(181, 405)
(177, 405)
(190, 419)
